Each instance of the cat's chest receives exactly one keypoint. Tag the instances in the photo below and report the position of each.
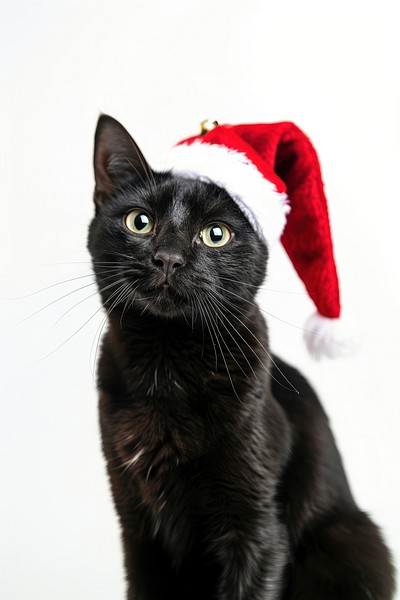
(162, 419)
(169, 405)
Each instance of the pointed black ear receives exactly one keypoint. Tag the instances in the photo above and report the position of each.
(116, 158)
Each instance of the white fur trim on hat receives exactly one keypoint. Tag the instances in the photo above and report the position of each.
(265, 207)
(327, 337)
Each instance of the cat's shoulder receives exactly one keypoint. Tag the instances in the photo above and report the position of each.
(295, 394)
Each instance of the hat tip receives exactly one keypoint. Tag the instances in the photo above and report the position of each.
(326, 337)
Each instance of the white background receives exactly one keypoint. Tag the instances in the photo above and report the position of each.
(160, 68)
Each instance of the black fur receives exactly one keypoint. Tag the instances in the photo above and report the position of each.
(223, 468)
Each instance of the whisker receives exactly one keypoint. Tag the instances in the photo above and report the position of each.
(56, 300)
(61, 298)
(78, 330)
(53, 285)
(202, 325)
(263, 287)
(225, 363)
(221, 308)
(302, 329)
(103, 289)
(265, 350)
(221, 314)
(204, 317)
(68, 339)
(125, 291)
(124, 309)
(192, 311)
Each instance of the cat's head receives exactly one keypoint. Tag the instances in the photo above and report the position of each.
(166, 245)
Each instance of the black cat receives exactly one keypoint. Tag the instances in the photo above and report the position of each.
(223, 468)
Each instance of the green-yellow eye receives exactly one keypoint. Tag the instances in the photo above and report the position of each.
(139, 221)
(216, 235)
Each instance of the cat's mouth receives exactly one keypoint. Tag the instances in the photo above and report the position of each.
(164, 301)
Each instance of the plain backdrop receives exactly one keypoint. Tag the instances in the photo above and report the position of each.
(160, 68)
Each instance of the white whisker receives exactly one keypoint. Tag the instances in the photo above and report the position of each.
(123, 293)
(263, 348)
(223, 357)
(225, 318)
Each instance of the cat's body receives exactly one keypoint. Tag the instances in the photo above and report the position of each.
(224, 472)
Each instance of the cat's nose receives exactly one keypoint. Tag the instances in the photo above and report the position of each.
(168, 261)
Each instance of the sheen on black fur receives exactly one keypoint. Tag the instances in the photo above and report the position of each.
(223, 469)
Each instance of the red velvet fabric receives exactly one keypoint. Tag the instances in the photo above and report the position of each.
(286, 157)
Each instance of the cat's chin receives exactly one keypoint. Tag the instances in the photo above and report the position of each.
(166, 304)
(165, 312)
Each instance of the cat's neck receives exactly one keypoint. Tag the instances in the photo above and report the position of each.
(236, 350)
(140, 330)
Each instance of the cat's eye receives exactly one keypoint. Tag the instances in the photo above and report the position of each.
(139, 221)
(216, 235)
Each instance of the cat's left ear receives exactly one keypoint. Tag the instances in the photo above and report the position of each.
(116, 158)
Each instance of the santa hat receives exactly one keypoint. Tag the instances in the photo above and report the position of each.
(273, 174)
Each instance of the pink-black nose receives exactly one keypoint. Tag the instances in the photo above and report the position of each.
(168, 262)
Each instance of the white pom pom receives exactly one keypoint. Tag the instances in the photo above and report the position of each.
(325, 337)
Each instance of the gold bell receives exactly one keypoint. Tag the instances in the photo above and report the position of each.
(207, 125)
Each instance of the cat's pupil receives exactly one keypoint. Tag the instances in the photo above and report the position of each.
(216, 234)
(141, 221)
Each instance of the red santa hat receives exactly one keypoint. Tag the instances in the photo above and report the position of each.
(272, 172)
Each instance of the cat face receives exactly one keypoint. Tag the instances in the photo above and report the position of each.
(166, 245)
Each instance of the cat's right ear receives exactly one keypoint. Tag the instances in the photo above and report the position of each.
(116, 158)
